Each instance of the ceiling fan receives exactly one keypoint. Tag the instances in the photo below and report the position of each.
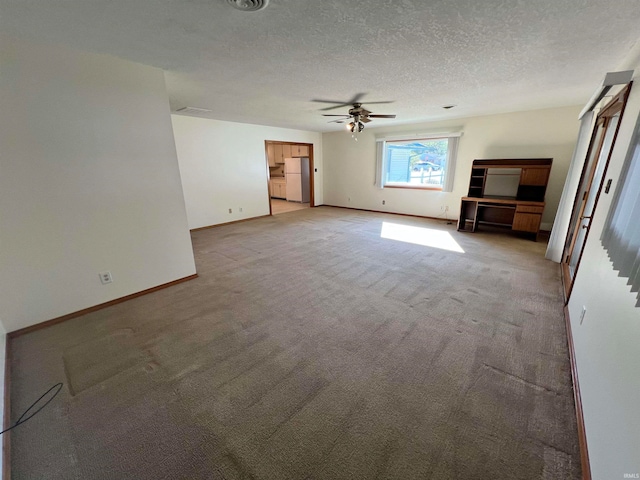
(357, 116)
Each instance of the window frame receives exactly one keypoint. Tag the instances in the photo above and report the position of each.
(448, 171)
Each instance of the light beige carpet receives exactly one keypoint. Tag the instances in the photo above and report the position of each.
(311, 347)
(282, 206)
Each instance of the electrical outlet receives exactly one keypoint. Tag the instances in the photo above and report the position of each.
(383, 202)
(105, 277)
(348, 199)
(446, 208)
(584, 312)
(230, 211)
(240, 209)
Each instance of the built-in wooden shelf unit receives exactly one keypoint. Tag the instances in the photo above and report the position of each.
(506, 193)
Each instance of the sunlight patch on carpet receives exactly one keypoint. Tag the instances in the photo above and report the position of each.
(427, 237)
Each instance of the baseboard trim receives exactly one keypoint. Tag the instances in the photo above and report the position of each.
(69, 316)
(577, 398)
(227, 223)
(452, 220)
(566, 282)
(6, 437)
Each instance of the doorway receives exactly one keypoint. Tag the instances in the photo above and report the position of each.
(290, 176)
(591, 182)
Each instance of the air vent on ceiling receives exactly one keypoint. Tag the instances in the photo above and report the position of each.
(192, 111)
(248, 5)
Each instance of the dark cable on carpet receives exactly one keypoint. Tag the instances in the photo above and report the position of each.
(21, 420)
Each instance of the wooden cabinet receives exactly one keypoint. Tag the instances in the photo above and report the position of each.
(299, 150)
(519, 216)
(271, 155)
(286, 152)
(277, 153)
(527, 218)
(519, 179)
(278, 188)
(526, 222)
(534, 176)
(506, 193)
(528, 208)
(281, 151)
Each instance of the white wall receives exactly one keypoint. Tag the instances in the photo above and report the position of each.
(89, 182)
(350, 166)
(223, 166)
(607, 343)
(558, 236)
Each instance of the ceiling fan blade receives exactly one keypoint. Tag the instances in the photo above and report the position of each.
(382, 116)
(365, 119)
(339, 120)
(340, 103)
(319, 100)
(334, 115)
(373, 103)
(356, 98)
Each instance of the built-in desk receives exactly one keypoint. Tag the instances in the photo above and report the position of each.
(506, 193)
(518, 215)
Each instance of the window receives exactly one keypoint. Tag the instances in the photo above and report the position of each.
(621, 233)
(422, 162)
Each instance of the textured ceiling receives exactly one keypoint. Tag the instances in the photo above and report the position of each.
(485, 56)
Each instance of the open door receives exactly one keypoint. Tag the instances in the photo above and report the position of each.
(591, 182)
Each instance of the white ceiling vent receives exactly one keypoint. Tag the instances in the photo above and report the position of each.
(192, 111)
(248, 5)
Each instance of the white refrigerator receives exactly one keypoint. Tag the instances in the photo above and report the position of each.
(296, 172)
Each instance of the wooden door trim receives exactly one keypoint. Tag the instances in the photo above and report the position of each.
(6, 437)
(590, 174)
(312, 177)
(616, 105)
(266, 157)
(312, 189)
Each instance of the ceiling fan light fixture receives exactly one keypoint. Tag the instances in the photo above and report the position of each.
(355, 127)
(357, 116)
(248, 5)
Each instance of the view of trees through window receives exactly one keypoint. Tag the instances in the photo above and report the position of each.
(417, 162)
